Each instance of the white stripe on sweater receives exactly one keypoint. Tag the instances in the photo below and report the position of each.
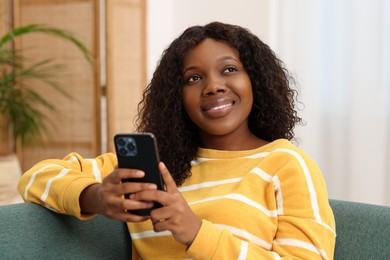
(313, 195)
(95, 170)
(48, 184)
(241, 198)
(244, 251)
(324, 225)
(209, 184)
(35, 174)
(245, 234)
(279, 196)
(301, 244)
(72, 159)
(149, 233)
(257, 155)
(262, 174)
(268, 178)
(276, 256)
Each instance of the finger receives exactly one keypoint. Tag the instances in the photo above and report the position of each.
(133, 187)
(160, 215)
(158, 223)
(120, 174)
(128, 217)
(151, 195)
(122, 188)
(167, 178)
(121, 205)
(129, 204)
(124, 173)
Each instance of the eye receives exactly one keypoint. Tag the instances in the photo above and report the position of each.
(193, 78)
(230, 69)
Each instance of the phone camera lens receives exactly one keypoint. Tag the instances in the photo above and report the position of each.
(126, 146)
(122, 151)
(121, 142)
(131, 146)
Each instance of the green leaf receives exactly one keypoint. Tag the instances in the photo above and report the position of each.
(34, 28)
(20, 104)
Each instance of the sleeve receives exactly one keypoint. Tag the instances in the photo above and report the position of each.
(306, 225)
(305, 228)
(134, 253)
(57, 184)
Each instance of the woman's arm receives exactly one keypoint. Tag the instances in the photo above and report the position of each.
(57, 184)
(83, 187)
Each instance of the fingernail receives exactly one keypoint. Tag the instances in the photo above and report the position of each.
(132, 196)
(152, 186)
(139, 173)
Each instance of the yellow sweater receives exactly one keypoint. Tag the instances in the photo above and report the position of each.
(264, 203)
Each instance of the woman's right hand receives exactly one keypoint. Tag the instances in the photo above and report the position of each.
(108, 198)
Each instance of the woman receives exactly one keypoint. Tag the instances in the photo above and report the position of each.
(222, 109)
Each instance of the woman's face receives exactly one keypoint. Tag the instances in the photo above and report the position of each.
(217, 92)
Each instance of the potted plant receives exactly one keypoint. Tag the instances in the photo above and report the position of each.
(21, 118)
(19, 104)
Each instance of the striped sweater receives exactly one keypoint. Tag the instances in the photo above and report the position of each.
(266, 203)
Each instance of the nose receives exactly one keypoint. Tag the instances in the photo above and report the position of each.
(214, 86)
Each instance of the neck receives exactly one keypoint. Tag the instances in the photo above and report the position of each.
(232, 142)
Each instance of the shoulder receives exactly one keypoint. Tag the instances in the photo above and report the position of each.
(285, 149)
(283, 154)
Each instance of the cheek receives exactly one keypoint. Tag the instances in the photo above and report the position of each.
(250, 100)
(247, 95)
(188, 99)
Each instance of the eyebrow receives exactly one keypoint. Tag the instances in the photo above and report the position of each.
(227, 57)
(220, 59)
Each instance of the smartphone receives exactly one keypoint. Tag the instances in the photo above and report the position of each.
(139, 151)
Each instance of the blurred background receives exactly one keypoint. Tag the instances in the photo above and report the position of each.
(337, 50)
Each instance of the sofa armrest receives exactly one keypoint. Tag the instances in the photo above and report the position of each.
(30, 231)
(363, 230)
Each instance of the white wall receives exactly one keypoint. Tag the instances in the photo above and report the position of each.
(167, 19)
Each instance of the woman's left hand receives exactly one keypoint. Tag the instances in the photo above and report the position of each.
(175, 215)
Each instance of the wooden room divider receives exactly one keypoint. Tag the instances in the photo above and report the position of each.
(5, 23)
(126, 63)
(77, 122)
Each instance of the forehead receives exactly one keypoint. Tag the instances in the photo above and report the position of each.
(210, 50)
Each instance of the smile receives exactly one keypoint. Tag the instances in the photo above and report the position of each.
(219, 110)
(221, 106)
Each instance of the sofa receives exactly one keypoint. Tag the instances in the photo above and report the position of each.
(29, 231)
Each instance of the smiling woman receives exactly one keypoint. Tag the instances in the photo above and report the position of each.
(222, 109)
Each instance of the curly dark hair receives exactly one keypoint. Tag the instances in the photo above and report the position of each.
(161, 111)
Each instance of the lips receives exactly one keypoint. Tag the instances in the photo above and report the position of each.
(218, 108)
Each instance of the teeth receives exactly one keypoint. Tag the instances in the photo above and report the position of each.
(221, 107)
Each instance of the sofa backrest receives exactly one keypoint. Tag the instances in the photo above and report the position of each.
(30, 231)
(363, 230)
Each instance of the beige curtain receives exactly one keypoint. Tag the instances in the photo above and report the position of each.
(340, 51)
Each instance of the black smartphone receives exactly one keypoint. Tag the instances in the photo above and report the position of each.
(139, 151)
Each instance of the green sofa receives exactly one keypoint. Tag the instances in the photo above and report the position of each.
(29, 231)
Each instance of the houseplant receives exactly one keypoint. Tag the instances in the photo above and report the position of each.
(19, 103)
(21, 117)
